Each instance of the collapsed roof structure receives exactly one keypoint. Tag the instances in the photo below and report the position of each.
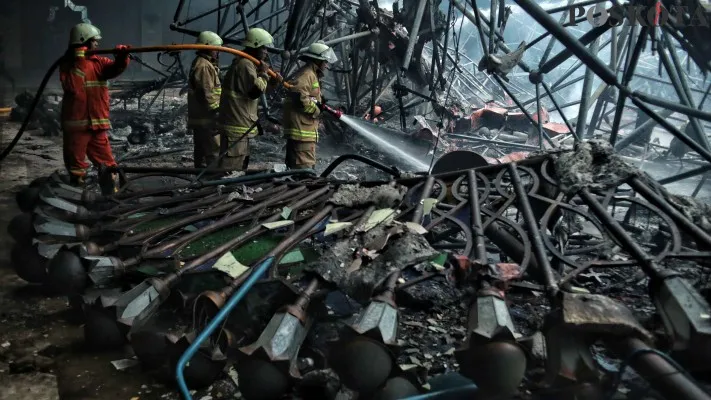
(538, 238)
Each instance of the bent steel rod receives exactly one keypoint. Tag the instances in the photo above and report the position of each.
(603, 71)
(534, 232)
(699, 234)
(685, 175)
(475, 218)
(675, 75)
(515, 99)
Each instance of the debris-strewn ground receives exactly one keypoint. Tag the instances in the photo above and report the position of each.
(41, 345)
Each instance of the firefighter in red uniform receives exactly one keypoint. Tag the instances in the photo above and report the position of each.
(85, 106)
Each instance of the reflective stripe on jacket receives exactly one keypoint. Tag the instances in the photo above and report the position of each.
(300, 109)
(240, 98)
(85, 105)
(204, 92)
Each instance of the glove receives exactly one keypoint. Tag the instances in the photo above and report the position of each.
(262, 68)
(277, 78)
(122, 50)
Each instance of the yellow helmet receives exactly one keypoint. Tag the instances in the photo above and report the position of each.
(257, 37)
(209, 38)
(321, 52)
(82, 33)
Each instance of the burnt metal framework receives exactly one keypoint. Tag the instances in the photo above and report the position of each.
(422, 53)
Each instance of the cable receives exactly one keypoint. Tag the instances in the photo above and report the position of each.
(632, 356)
(32, 108)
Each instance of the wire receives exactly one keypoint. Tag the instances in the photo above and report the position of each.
(30, 111)
(636, 353)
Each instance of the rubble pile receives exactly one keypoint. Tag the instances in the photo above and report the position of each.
(379, 289)
(45, 116)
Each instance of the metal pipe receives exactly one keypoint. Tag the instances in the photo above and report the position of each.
(521, 146)
(426, 192)
(511, 95)
(267, 18)
(684, 175)
(690, 111)
(413, 34)
(622, 96)
(669, 380)
(560, 110)
(346, 38)
(206, 13)
(443, 66)
(673, 130)
(476, 21)
(629, 139)
(682, 88)
(551, 42)
(582, 118)
(703, 239)
(534, 232)
(375, 46)
(475, 218)
(492, 27)
(567, 40)
(538, 115)
(619, 233)
(588, 38)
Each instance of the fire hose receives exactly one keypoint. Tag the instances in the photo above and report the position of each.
(147, 49)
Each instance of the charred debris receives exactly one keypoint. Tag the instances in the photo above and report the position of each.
(515, 279)
(541, 256)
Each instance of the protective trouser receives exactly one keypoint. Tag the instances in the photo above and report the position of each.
(237, 156)
(300, 154)
(206, 146)
(80, 144)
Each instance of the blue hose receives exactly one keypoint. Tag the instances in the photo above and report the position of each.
(462, 390)
(256, 274)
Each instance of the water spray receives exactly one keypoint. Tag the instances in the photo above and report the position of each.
(365, 131)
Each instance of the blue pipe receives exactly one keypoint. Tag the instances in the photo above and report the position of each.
(256, 274)
(462, 390)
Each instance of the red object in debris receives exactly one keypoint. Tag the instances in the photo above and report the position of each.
(555, 129)
(489, 115)
(508, 271)
(511, 157)
(378, 111)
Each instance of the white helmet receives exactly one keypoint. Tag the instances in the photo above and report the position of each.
(321, 52)
(82, 33)
(209, 38)
(257, 37)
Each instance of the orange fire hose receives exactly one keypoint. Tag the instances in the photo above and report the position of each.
(182, 47)
(147, 49)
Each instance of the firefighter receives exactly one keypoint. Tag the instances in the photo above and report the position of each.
(301, 111)
(204, 101)
(244, 83)
(85, 105)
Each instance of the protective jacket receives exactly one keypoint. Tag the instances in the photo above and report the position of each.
(85, 106)
(300, 109)
(204, 92)
(240, 98)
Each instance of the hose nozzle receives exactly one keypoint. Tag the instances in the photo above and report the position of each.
(330, 110)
